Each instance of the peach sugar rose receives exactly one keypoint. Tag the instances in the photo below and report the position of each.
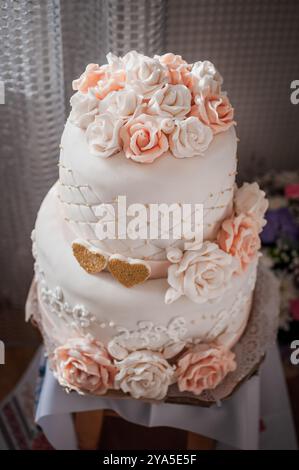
(203, 367)
(143, 139)
(93, 73)
(178, 69)
(83, 364)
(239, 236)
(112, 83)
(214, 111)
(104, 78)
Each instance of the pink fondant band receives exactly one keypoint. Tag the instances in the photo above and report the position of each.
(159, 269)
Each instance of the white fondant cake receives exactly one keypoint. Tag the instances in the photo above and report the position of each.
(141, 314)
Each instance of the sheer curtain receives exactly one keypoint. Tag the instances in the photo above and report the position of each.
(45, 44)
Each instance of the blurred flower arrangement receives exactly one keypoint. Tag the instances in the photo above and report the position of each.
(280, 239)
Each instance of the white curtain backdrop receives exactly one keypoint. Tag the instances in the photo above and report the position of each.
(45, 44)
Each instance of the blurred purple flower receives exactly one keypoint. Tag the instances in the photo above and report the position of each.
(280, 223)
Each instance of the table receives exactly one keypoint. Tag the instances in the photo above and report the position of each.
(234, 423)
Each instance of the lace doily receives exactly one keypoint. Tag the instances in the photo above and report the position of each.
(250, 351)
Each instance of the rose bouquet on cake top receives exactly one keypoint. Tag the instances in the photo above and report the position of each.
(147, 106)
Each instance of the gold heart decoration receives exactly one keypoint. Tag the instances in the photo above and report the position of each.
(89, 258)
(129, 272)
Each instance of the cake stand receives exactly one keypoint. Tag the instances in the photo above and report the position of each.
(228, 414)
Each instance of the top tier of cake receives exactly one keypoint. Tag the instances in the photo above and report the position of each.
(134, 125)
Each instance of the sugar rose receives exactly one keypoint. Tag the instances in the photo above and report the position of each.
(143, 74)
(251, 200)
(102, 135)
(85, 106)
(178, 69)
(144, 374)
(239, 236)
(110, 83)
(205, 79)
(203, 367)
(83, 364)
(170, 101)
(190, 137)
(143, 139)
(104, 79)
(201, 275)
(123, 103)
(214, 111)
(93, 73)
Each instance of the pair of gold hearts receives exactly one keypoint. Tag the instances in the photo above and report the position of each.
(128, 272)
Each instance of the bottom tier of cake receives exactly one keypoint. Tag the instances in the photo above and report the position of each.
(105, 335)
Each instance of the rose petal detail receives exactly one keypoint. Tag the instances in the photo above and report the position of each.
(143, 140)
(144, 374)
(203, 367)
(83, 364)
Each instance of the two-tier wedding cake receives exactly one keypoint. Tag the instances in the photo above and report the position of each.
(121, 309)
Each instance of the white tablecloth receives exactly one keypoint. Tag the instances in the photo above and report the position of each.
(235, 423)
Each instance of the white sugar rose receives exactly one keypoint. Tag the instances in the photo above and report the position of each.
(250, 200)
(144, 74)
(102, 135)
(85, 106)
(200, 275)
(131, 57)
(115, 62)
(190, 137)
(144, 374)
(170, 101)
(123, 103)
(205, 79)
